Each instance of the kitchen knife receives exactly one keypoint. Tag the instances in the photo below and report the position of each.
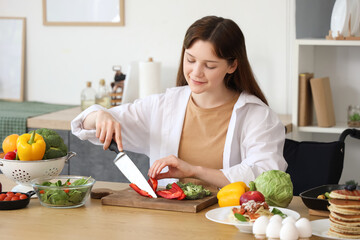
(129, 169)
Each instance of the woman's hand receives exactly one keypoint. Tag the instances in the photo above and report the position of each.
(107, 128)
(177, 168)
(181, 169)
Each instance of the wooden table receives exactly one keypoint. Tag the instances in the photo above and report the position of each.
(96, 221)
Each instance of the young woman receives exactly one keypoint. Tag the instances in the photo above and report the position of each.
(215, 126)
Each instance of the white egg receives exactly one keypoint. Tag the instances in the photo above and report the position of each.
(273, 229)
(304, 227)
(289, 232)
(288, 219)
(259, 227)
(276, 217)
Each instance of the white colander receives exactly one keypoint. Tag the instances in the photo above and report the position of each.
(22, 172)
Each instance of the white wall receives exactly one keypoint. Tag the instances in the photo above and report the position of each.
(59, 60)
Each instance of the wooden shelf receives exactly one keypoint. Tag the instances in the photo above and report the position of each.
(324, 42)
(338, 128)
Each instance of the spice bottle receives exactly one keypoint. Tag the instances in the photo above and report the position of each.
(117, 86)
(87, 96)
(102, 95)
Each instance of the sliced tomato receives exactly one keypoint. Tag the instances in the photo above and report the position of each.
(238, 210)
(253, 216)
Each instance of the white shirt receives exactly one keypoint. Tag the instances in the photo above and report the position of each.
(153, 125)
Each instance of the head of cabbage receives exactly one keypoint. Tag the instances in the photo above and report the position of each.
(276, 186)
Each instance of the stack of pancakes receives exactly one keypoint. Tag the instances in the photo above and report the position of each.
(344, 214)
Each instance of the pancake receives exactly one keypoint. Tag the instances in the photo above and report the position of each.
(344, 227)
(345, 211)
(345, 203)
(345, 218)
(345, 194)
(344, 214)
(341, 235)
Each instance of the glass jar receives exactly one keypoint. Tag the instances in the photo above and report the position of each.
(87, 96)
(354, 116)
(103, 95)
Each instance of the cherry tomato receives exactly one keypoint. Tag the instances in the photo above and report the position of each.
(7, 199)
(41, 191)
(66, 190)
(17, 194)
(15, 198)
(23, 196)
(2, 196)
(10, 194)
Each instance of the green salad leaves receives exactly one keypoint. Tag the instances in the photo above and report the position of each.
(66, 194)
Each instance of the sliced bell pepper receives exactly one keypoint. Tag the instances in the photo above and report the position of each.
(168, 194)
(139, 191)
(176, 188)
(153, 183)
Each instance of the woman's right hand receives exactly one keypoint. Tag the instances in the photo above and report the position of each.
(107, 128)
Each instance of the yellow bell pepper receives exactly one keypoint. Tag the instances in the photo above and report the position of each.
(230, 194)
(30, 147)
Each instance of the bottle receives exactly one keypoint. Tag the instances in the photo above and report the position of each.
(102, 95)
(87, 96)
(117, 87)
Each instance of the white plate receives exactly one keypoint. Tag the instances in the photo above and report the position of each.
(224, 215)
(340, 17)
(321, 227)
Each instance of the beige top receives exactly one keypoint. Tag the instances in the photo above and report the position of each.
(204, 132)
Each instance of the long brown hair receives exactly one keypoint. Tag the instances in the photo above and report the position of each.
(229, 44)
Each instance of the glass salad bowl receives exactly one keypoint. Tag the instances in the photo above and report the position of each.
(63, 191)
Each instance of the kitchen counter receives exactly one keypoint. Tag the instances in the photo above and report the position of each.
(96, 221)
(61, 120)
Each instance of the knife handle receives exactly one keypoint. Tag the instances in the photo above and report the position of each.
(113, 146)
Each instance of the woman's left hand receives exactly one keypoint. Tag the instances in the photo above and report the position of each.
(177, 168)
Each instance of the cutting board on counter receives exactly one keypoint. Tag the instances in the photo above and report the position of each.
(129, 198)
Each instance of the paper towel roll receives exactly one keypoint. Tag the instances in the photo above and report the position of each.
(149, 78)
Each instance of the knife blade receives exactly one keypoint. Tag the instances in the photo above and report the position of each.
(130, 171)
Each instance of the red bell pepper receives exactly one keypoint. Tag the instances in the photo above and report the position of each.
(168, 194)
(140, 191)
(153, 183)
(176, 188)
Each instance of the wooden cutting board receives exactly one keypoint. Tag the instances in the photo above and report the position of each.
(129, 198)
